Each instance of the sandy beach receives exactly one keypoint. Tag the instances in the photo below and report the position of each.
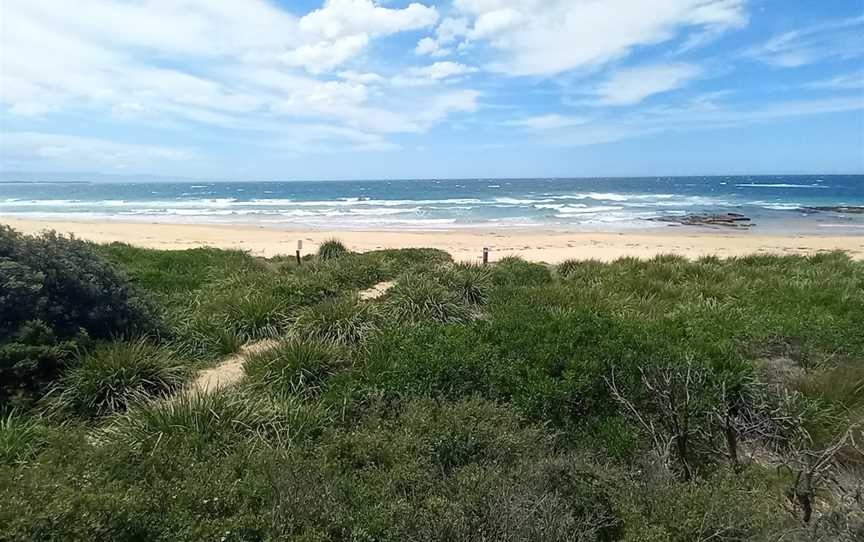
(465, 245)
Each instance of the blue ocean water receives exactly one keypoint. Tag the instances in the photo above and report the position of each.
(607, 204)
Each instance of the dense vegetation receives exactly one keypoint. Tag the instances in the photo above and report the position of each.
(660, 400)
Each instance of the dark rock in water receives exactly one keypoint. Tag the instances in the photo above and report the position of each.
(729, 220)
(847, 209)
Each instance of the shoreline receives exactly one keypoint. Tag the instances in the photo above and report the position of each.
(551, 246)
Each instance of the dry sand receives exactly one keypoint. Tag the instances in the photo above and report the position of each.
(466, 245)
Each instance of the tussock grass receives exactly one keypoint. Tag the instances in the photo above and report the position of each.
(21, 436)
(214, 421)
(415, 298)
(472, 283)
(113, 375)
(331, 249)
(343, 320)
(298, 366)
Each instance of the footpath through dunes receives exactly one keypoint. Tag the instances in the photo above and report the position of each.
(230, 370)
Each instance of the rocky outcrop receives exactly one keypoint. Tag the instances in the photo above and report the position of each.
(726, 220)
(845, 209)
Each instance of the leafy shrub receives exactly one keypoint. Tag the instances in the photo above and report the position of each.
(65, 283)
(294, 366)
(330, 249)
(343, 320)
(55, 292)
(415, 298)
(115, 374)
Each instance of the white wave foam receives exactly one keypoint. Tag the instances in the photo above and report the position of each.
(584, 210)
(779, 185)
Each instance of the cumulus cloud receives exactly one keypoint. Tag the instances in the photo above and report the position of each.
(250, 67)
(547, 37)
(442, 70)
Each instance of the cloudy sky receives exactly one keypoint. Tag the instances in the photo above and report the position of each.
(303, 89)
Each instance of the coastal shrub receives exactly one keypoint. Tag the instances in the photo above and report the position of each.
(514, 271)
(113, 375)
(416, 298)
(342, 320)
(441, 360)
(330, 249)
(56, 293)
(66, 284)
(299, 366)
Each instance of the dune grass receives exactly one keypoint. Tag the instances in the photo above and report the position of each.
(113, 375)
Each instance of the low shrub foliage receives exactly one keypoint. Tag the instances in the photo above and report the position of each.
(636, 400)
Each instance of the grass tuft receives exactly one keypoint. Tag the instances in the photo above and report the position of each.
(343, 320)
(295, 366)
(20, 437)
(415, 298)
(114, 374)
(331, 249)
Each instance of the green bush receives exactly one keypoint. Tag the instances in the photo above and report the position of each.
(331, 249)
(56, 292)
(113, 375)
(66, 284)
(294, 366)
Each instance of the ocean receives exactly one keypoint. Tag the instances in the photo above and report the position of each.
(774, 203)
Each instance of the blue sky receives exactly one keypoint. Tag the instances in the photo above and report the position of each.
(346, 89)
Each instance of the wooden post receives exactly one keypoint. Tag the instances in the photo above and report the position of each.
(485, 255)
(299, 248)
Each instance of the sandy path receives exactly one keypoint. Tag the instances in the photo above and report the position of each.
(376, 291)
(230, 370)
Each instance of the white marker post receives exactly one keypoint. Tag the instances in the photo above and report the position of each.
(299, 248)
(485, 255)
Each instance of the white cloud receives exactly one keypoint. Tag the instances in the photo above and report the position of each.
(846, 81)
(552, 121)
(837, 39)
(447, 33)
(340, 18)
(632, 85)
(326, 55)
(367, 78)
(343, 28)
(693, 116)
(84, 152)
(546, 37)
(442, 70)
(232, 65)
